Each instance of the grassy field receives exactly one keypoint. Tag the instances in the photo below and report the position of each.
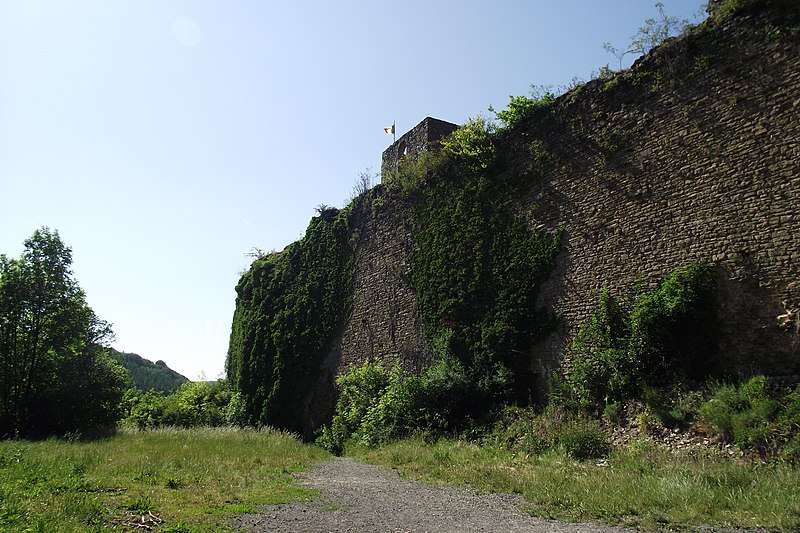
(179, 480)
(194, 480)
(642, 485)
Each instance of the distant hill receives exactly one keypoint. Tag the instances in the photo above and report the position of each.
(147, 375)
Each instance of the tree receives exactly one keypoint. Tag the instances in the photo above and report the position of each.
(56, 376)
(654, 32)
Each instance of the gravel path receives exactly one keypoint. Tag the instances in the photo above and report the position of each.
(358, 497)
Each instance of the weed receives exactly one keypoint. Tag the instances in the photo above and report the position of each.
(141, 504)
(755, 415)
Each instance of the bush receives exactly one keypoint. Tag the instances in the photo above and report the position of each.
(194, 404)
(525, 431)
(520, 430)
(359, 391)
(375, 406)
(718, 411)
(582, 440)
(667, 336)
(473, 143)
(522, 107)
(755, 415)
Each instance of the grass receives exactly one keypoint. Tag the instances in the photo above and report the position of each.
(181, 480)
(641, 485)
(194, 480)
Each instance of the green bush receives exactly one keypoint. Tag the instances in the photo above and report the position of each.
(521, 430)
(375, 406)
(663, 338)
(718, 411)
(473, 144)
(755, 415)
(359, 391)
(194, 404)
(583, 440)
(522, 107)
(526, 431)
(395, 412)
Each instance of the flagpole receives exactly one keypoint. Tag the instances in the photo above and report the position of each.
(396, 155)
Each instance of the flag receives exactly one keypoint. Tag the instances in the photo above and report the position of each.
(389, 130)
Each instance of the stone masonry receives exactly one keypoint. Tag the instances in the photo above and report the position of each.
(692, 154)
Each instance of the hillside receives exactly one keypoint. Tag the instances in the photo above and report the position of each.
(147, 375)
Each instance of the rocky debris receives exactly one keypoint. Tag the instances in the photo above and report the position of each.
(689, 440)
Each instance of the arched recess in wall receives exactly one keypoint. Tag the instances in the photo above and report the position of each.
(402, 150)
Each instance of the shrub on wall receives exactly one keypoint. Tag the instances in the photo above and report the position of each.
(668, 335)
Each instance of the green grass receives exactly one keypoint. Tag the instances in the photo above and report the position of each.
(642, 485)
(192, 480)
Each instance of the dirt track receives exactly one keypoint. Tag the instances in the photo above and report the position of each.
(356, 497)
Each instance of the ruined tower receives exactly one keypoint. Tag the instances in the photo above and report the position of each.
(414, 142)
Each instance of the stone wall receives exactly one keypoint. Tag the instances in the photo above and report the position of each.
(385, 322)
(692, 154)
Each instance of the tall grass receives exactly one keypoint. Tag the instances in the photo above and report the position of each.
(182, 480)
(641, 485)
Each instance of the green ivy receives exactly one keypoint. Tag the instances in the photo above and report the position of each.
(477, 267)
(289, 307)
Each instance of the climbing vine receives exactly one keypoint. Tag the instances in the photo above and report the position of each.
(477, 267)
(289, 307)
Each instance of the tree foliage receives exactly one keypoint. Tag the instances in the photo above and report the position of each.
(147, 375)
(195, 403)
(521, 107)
(56, 374)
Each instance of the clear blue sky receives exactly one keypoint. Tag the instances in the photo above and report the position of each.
(166, 139)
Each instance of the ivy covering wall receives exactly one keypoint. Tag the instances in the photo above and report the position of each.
(477, 267)
(289, 307)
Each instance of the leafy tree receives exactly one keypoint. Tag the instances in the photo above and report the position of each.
(198, 403)
(56, 376)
